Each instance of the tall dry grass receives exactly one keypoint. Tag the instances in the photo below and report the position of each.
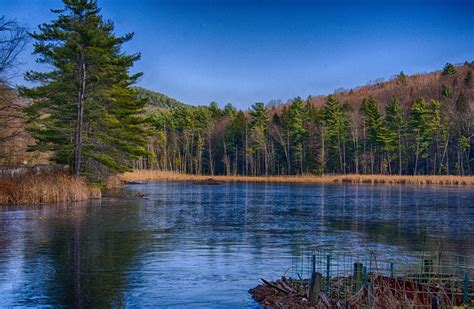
(156, 175)
(45, 188)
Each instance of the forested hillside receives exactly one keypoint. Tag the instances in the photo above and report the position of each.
(156, 99)
(420, 124)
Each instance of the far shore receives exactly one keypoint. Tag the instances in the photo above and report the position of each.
(157, 175)
(57, 187)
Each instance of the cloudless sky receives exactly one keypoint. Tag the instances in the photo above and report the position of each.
(248, 51)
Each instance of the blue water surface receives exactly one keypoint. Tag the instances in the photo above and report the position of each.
(188, 245)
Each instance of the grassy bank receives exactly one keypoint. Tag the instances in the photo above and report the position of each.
(45, 188)
(154, 175)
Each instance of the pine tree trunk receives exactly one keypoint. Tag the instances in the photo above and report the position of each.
(80, 116)
(399, 153)
(246, 152)
(288, 157)
(443, 156)
(416, 155)
(211, 159)
(236, 162)
(322, 158)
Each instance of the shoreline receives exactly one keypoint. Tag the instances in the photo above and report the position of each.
(45, 188)
(156, 175)
(33, 189)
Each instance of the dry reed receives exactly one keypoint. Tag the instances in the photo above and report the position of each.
(45, 188)
(156, 175)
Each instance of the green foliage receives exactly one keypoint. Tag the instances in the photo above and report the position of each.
(449, 69)
(215, 110)
(335, 119)
(259, 125)
(446, 91)
(155, 98)
(424, 120)
(464, 143)
(336, 125)
(394, 126)
(402, 78)
(296, 118)
(259, 117)
(113, 130)
(373, 121)
(235, 133)
(230, 111)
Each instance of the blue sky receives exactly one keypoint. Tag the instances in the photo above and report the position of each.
(248, 51)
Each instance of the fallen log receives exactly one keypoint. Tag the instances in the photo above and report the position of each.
(274, 286)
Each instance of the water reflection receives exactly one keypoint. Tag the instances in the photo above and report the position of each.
(66, 255)
(207, 245)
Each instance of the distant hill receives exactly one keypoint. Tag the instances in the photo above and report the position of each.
(447, 86)
(157, 99)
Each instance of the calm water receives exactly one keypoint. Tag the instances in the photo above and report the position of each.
(205, 245)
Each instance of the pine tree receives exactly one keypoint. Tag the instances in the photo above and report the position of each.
(335, 128)
(259, 134)
(297, 130)
(84, 109)
(420, 126)
(235, 139)
(439, 133)
(449, 69)
(402, 78)
(230, 111)
(395, 128)
(374, 125)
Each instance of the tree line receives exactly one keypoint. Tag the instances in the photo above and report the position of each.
(425, 136)
(85, 112)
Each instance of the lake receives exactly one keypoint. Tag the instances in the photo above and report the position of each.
(206, 245)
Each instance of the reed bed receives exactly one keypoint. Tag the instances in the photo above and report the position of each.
(45, 188)
(157, 175)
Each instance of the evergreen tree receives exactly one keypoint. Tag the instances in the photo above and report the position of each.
(420, 126)
(259, 135)
(84, 109)
(235, 139)
(215, 110)
(449, 69)
(230, 111)
(395, 128)
(335, 126)
(402, 78)
(439, 131)
(374, 126)
(296, 121)
(446, 91)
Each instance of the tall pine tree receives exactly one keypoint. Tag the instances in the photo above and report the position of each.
(395, 130)
(374, 124)
(84, 110)
(420, 126)
(336, 127)
(296, 121)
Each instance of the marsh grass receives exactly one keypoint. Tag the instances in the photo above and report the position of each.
(156, 175)
(45, 188)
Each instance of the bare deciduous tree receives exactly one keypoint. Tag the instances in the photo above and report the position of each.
(13, 38)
